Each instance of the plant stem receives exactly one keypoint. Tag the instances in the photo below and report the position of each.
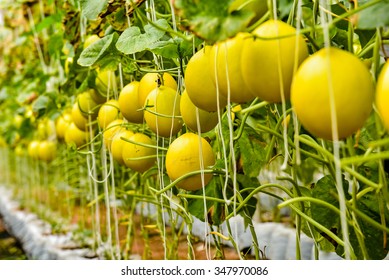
(255, 191)
(317, 225)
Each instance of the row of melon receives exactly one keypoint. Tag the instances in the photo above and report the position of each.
(271, 64)
(331, 91)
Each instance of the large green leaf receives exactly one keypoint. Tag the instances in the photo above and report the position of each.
(101, 53)
(371, 244)
(49, 22)
(196, 205)
(55, 44)
(339, 9)
(168, 48)
(216, 211)
(374, 16)
(284, 7)
(92, 8)
(252, 152)
(172, 48)
(132, 40)
(325, 189)
(211, 19)
(43, 104)
(71, 25)
(118, 19)
(248, 184)
(375, 239)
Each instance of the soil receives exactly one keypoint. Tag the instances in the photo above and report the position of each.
(10, 248)
(147, 242)
(152, 247)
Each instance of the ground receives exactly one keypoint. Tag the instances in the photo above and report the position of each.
(9, 247)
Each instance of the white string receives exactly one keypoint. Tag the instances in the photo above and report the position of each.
(201, 159)
(128, 2)
(121, 77)
(107, 202)
(231, 140)
(83, 24)
(296, 65)
(114, 209)
(326, 19)
(282, 91)
(93, 175)
(36, 41)
(174, 22)
(129, 23)
(151, 15)
(220, 131)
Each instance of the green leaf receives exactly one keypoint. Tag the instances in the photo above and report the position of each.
(365, 36)
(216, 211)
(118, 19)
(92, 8)
(101, 53)
(196, 205)
(55, 44)
(167, 49)
(249, 184)
(211, 20)
(341, 38)
(373, 240)
(42, 104)
(172, 48)
(339, 9)
(71, 25)
(374, 16)
(132, 40)
(306, 170)
(325, 189)
(284, 6)
(129, 65)
(252, 151)
(48, 22)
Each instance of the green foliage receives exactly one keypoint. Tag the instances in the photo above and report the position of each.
(172, 48)
(253, 153)
(374, 239)
(44, 104)
(211, 20)
(368, 241)
(91, 9)
(216, 211)
(325, 190)
(247, 185)
(132, 40)
(213, 210)
(284, 7)
(55, 43)
(380, 19)
(48, 22)
(101, 53)
(71, 25)
(10, 249)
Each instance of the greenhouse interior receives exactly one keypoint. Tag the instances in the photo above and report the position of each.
(194, 130)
